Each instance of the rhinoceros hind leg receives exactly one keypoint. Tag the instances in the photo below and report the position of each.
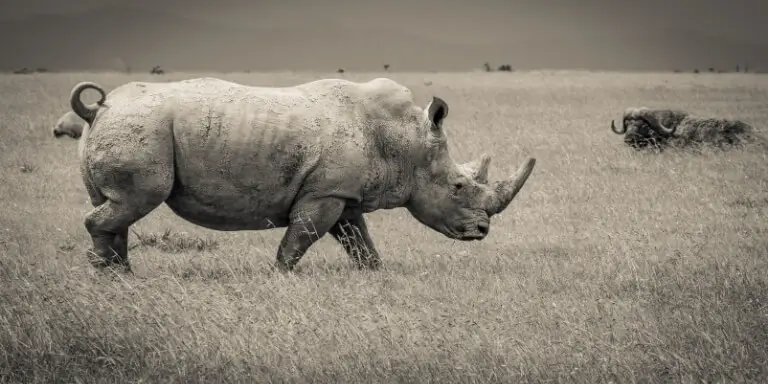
(123, 205)
(120, 245)
(310, 220)
(109, 250)
(108, 226)
(126, 181)
(352, 234)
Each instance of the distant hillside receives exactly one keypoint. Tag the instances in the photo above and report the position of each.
(110, 38)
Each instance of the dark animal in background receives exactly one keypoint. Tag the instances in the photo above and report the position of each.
(643, 127)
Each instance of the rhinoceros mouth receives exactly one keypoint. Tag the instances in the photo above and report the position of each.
(472, 237)
(471, 232)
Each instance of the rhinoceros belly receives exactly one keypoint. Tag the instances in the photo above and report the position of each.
(238, 170)
(216, 205)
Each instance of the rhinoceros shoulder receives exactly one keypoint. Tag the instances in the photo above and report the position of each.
(209, 82)
(382, 96)
(388, 88)
(202, 80)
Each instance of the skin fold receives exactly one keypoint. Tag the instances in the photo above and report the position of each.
(312, 158)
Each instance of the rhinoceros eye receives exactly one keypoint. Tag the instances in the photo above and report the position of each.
(458, 186)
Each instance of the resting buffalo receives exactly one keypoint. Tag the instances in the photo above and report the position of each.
(313, 158)
(644, 127)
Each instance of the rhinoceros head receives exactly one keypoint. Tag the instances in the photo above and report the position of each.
(457, 200)
(642, 127)
(70, 125)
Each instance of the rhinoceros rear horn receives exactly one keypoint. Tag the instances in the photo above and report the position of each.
(505, 191)
(481, 175)
(478, 169)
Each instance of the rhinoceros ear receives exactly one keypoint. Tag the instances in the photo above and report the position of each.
(437, 111)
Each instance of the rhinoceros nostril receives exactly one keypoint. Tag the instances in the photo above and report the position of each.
(482, 228)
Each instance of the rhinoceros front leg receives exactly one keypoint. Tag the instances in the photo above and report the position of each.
(352, 233)
(310, 220)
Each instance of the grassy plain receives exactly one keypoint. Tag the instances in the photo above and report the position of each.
(611, 265)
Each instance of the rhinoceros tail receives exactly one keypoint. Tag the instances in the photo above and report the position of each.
(86, 112)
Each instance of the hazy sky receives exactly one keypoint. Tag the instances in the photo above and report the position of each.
(549, 31)
(741, 19)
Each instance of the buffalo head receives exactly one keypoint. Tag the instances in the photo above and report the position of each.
(456, 200)
(642, 127)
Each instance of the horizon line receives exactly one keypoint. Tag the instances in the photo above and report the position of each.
(33, 71)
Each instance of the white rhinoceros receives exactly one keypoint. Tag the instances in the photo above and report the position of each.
(312, 158)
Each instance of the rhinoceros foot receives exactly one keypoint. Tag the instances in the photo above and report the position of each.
(352, 233)
(112, 255)
(113, 262)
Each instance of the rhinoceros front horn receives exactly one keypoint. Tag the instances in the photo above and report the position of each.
(505, 191)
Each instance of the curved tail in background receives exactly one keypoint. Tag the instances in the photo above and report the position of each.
(86, 112)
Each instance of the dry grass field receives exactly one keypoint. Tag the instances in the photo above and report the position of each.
(610, 266)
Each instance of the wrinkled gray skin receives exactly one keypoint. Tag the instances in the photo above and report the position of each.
(69, 124)
(312, 158)
(644, 127)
